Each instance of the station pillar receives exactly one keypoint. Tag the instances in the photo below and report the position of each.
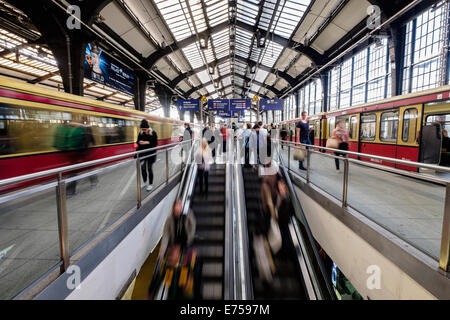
(165, 97)
(140, 90)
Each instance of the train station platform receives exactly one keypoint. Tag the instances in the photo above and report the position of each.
(110, 230)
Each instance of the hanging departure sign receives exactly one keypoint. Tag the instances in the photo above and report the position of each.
(270, 104)
(240, 104)
(189, 105)
(218, 104)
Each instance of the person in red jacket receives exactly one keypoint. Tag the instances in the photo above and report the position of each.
(223, 131)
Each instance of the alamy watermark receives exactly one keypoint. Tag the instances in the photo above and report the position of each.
(374, 279)
(374, 19)
(74, 280)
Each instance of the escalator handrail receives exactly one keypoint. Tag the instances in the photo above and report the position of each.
(243, 280)
(301, 216)
(182, 192)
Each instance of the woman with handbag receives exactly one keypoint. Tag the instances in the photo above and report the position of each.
(340, 133)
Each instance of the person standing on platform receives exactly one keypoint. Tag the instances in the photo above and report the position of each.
(283, 135)
(187, 132)
(340, 133)
(223, 131)
(246, 136)
(203, 158)
(147, 139)
(302, 132)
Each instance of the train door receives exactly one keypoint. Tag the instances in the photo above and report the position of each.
(435, 143)
(317, 132)
(331, 123)
(407, 137)
(353, 134)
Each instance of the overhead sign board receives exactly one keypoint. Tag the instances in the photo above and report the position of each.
(240, 104)
(270, 104)
(189, 105)
(218, 104)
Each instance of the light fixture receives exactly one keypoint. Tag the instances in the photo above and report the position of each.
(211, 69)
(203, 40)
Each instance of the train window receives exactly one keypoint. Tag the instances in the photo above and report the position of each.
(353, 127)
(443, 119)
(389, 126)
(368, 126)
(317, 130)
(409, 125)
(331, 122)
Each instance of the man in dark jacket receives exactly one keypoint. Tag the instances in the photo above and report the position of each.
(147, 139)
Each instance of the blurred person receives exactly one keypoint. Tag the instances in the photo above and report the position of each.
(179, 229)
(203, 158)
(246, 136)
(283, 135)
(147, 139)
(223, 131)
(340, 133)
(285, 210)
(302, 133)
(187, 132)
(79, 137)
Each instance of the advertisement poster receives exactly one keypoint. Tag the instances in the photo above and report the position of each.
(270, 104)
(103, 69)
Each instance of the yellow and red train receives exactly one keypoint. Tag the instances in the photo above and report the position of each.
(31, 115)
(408, 127)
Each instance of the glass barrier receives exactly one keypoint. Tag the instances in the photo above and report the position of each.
(94, 199)
(28, 240)
(324, 175)
(410, 208)
(95, 202)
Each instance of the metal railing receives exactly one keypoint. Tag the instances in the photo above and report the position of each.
(444, 258)
(317, 284)
(62, 181)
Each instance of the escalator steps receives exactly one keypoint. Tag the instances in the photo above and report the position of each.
(211, 290)
(212, 270)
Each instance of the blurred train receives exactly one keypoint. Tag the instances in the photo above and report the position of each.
(409, 127)
(32, 119)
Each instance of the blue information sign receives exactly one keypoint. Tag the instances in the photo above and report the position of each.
(237, 113)
(240, 104)
(218, 104)
(270, 104)
(189, 105)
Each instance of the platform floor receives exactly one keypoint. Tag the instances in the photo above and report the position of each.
(409, 208)
(29, 228)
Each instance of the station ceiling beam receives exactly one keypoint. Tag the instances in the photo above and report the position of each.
(248, 61)
(274, 90)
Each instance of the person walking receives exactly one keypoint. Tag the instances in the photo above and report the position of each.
(147, 139)
(203, 158)
(302, 132)
(340, 133)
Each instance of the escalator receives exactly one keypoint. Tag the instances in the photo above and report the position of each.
(287, 281)
(209, 213)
